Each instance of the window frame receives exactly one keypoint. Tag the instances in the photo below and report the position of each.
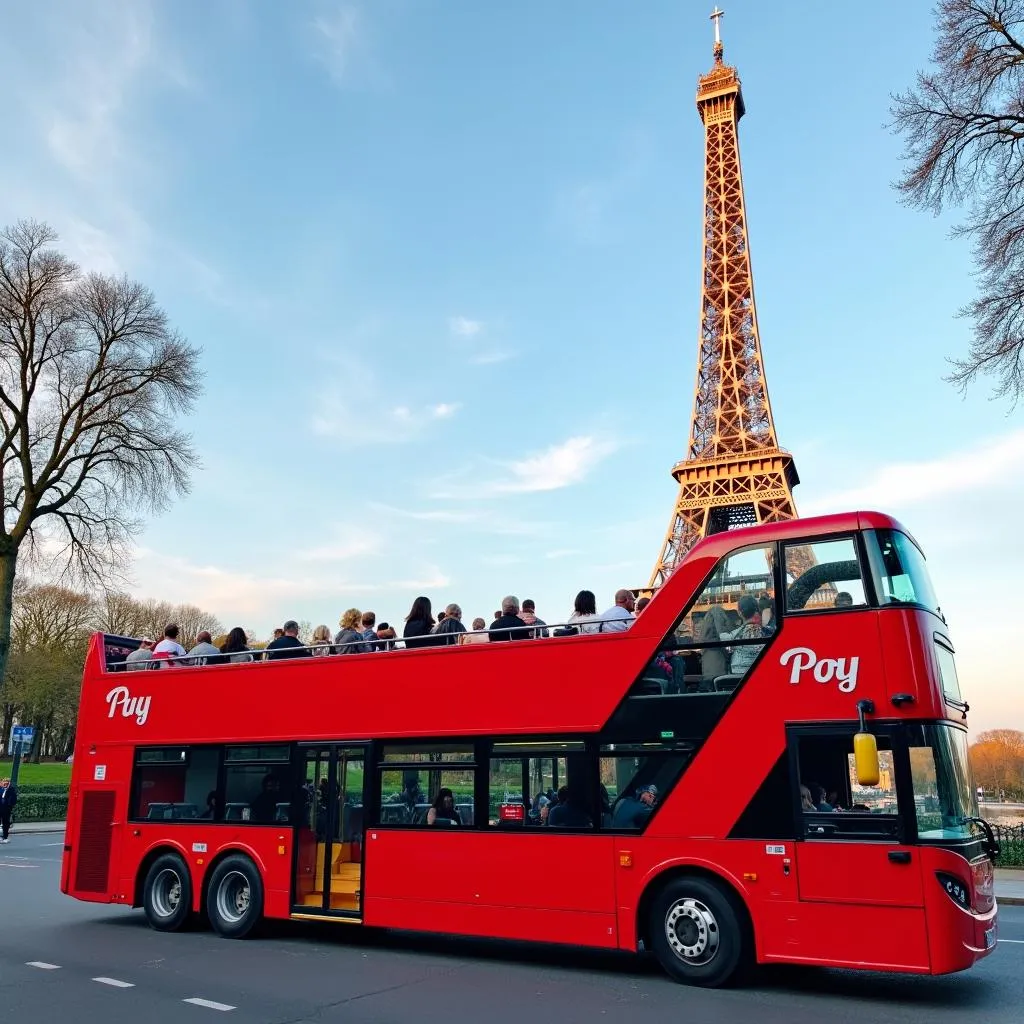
(864, 566)
(375, 761)
(905, 830)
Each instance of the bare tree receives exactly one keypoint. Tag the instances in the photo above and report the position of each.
(191, 620)
(963, 129)
(92, 378)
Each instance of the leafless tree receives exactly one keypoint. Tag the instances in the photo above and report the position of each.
(92, 378)
(963, 130)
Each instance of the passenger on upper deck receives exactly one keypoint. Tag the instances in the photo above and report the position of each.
(529, 616)
(288, 644)
(745, 656)
(320, 642)
(204, 653)
(584, 614)
(843, 600)
(451, 626)
(369, 632)
(141, 657)
(169, 647)
(510, 626)
(418, 624)
(620, 616)
(442, 810)
(349, 639)
(236, 647)
(477, 636)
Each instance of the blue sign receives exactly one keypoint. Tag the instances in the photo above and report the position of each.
(23, 734)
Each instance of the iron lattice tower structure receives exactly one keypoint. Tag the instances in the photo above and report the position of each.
(735, 474)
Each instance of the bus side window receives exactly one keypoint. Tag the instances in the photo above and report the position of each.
(721, 633)
(832, 804)
(823, 574)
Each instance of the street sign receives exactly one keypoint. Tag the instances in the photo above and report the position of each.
(23, 734)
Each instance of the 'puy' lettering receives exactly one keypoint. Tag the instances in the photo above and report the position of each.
(119, 698)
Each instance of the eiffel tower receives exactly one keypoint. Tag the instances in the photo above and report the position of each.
(734, 474)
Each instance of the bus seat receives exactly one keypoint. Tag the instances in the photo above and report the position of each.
(726, 684)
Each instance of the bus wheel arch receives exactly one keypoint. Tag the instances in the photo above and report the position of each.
(712, 910)
(233, 894)
(164, 889)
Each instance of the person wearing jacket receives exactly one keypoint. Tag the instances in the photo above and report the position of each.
(8, 798)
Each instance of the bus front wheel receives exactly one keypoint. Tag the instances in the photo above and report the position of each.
(234, 898)
(697, 932)
(167, 893)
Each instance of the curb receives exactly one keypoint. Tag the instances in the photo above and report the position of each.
(29, 828)
(1009, 901)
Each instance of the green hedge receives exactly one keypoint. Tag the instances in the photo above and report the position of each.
(42, 803)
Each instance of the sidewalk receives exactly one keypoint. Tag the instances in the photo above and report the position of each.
(1010, 887)
(27, 828)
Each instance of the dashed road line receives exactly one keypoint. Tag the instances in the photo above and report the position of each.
(1016, 942)
(209, 1004)
(115, 983)
(42, 965)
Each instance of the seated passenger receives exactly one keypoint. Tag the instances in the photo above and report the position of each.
(584, 613)
(203, 653)
(236, 647)
(288, 644)
(418, 626)
(620, 616)
(818, 798)
(843, 600)
(264, 806)
(806, 801)
(478, 636)
(744, 657)
(632, 812)
(567, 813)
(510, 626)
(442, 810)
(713, 626)
(451, 627)
(349, 639)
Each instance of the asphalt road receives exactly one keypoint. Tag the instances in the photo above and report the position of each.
(107, 965)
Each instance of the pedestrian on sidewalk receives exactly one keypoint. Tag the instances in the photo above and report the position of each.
(8, 798)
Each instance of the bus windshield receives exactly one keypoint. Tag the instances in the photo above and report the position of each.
(901, 569)
(945, 800)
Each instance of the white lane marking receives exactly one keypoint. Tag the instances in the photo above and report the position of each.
(1016, 942)
(209, 1004)
(114, 983)
(30, 867)
(42, 965)
(51, 844)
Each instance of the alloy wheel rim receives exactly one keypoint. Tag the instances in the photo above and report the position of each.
(692, 931)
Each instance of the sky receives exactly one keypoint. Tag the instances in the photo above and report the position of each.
(443, 261)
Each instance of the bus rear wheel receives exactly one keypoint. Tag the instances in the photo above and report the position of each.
(697, 932)
(167, 893)
(234, 898)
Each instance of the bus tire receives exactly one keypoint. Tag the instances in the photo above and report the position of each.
(697, 932)
(234, 897)
(167, 893)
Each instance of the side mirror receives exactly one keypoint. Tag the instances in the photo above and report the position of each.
(865, 756)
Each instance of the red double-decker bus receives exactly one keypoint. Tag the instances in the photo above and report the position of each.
(770, 765)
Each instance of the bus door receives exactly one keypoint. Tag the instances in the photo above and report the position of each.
(329, 840)
(858, 881)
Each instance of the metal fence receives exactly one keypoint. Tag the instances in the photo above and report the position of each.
(1011, 845)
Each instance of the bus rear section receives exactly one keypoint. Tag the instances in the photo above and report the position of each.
(751, 832)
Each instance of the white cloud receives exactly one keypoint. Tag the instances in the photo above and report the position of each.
(560, 465)
(463, 327)
(427, 515)
(341, 550)
(912, 483)
(489, 357)
(353, 404)
(337, 33)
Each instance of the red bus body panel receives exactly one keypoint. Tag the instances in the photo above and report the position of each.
(840, 904)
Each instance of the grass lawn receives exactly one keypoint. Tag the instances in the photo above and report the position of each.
(39, 774)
